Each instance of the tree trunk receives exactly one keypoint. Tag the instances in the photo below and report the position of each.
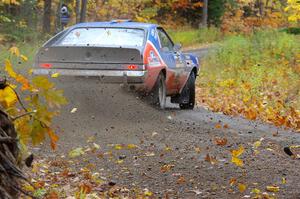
(58, 26)
(10, 174)
(98, 5)
(204, 13)
(83, 10)
(47, 16)
(77, 10)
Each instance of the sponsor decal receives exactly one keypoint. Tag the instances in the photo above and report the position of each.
(152, 57)
(153, 60)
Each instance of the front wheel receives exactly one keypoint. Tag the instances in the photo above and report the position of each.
(188, 93)
(159, 92)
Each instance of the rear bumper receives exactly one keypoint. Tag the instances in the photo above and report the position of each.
(108, 76)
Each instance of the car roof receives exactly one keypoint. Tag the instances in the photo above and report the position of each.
(115, 24)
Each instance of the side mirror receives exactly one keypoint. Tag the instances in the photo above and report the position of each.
(177, 47)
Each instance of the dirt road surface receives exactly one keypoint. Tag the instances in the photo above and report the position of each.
(177, 155)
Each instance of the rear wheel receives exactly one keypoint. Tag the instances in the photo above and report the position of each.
(159, 92)
(187, 96)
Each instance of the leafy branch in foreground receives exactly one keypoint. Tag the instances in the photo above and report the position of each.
(42, 101)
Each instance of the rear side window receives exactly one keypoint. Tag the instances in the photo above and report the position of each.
(116, 37)
(165, 41)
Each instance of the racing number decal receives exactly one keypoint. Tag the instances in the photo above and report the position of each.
(152, 57)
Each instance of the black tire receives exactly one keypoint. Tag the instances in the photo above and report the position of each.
(188, 93)
(159, 92)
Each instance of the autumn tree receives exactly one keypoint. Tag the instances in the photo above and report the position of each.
(47, 16)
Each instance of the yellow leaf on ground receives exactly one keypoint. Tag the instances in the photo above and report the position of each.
(256, 144)
(235, 154)
(283, 180)
(76, 152)
(272, 188)
(147, 193)
(197, 149)
(238, 152)
(131, 146)
(218, 126)
(242, 187)
(237, 161)
(118, 147)
(256, 191)
(232, 181)
(181, 180)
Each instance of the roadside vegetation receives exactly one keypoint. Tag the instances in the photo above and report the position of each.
(257, 76)
(196, 37)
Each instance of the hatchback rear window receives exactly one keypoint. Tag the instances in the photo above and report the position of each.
(116, 37)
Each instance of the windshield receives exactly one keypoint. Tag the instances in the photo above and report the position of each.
(104, 37)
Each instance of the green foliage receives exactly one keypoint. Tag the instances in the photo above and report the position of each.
(292, 30)
(216, 9)
(196, 36)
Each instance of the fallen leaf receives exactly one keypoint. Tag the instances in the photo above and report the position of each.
(85, 188)
(147, 192)
(181, 180)
(165, 168)
(232, 181)
(237, 161)
(220, 141)
(149, 154)
(242, 187)
(238, 152)
(272, 188)
(256, 191)
(168, 148)
(131, 146)
(96, 146)
(235, 156)
(119, 161)
(73, 110)
(283, 180)
(76, 152)
(218, 126)
(211, 159)
(118, 147)
(197, 149)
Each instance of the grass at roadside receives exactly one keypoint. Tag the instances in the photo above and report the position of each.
(256, 76)
(195, 37)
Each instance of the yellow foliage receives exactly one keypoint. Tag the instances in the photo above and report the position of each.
(15, 51)
(42, 101)
(293, 9)
(8, 98)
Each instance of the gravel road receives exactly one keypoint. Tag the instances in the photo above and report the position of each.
(173, 145)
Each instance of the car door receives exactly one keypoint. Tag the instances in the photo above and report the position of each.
(174, 60)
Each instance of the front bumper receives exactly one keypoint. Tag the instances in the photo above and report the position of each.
(107, 76)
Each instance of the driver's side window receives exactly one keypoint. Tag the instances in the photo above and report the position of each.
(165, 41)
